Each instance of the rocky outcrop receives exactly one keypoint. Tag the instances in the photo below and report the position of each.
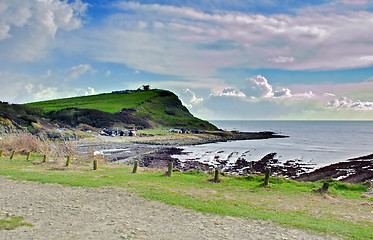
(7, 126)
(352, 171)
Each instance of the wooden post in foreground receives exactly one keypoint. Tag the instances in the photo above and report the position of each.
(324, 188)
(28, 156)
(135, 166)
(216, 177)
(12, 155)
(266, 178)
(68, 161)
(94, 164)
(169, 171)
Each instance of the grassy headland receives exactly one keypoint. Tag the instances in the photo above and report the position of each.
(143, 109)
(341, 212)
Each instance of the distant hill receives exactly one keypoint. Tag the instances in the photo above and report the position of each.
(123, 109)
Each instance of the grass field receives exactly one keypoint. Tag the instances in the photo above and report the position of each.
(341, 212)
(105, 102)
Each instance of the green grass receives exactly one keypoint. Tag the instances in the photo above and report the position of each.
(105, 102)
(10, 222)
(161, 107)
(289, 203)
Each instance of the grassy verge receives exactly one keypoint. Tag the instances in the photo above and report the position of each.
(10, 222)
(341, 212)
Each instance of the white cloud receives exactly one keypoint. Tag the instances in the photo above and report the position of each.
(76, 71)
(284, 92)
(29, 88)
(108, 73)
(90, 91)
(345, 103)
(231, 92)
(189, 98)
(308, 94)
(291, 102)
(281, 59)
(28, 27)
(257, 86)
(329, 95)
(353, 2)
(240, 39)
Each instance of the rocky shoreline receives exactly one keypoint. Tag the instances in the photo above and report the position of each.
(158, 151)
(204, 138)
(352, 171)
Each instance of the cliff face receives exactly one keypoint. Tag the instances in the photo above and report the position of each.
(146, 109)
(8, 126)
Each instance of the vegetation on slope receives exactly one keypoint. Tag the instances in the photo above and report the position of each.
(141, 109)
(167, 110)
(107, 102)
(17, 118)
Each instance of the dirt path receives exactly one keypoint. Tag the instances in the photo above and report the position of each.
(60, 212)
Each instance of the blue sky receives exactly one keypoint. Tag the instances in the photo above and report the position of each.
(239, 59)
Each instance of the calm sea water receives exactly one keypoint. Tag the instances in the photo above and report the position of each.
(316, 142)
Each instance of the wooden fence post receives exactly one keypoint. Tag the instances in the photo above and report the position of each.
(68, 161)
(94, 164)
(266, 178)
(28, 156)
(324, 188)
(135, 166)
(169, 171)
(12, 155)
(216, 177)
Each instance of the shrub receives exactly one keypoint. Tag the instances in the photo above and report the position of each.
(26, 142)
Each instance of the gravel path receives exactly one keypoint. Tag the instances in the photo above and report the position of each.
(60, 212)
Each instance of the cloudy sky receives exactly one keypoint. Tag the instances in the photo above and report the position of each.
(237, 59)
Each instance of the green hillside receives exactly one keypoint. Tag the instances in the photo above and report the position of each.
(143, 109)
(107, 102)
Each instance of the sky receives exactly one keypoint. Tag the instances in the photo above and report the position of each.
(226, 60)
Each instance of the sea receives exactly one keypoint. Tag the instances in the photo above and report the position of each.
(317, 143)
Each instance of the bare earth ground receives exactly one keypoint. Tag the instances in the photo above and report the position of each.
(61, 212)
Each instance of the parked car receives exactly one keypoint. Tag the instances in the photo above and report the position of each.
(112, 132)
(175, 130)
(183, 130)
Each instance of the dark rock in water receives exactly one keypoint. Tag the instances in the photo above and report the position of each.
(161, 158)
(367, 157)
(352, 171)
